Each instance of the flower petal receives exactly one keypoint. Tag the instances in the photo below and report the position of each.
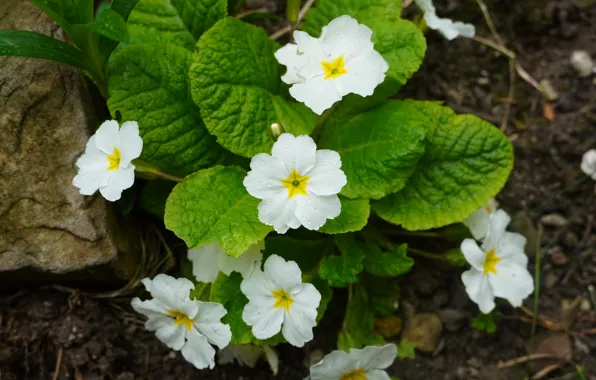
(243, 264)
(448, 28)
(171, 334)
(588, 164)
(377, 374)
(296, 152)
(198, 351)
(88, 183)
(279, 212)
(373, 357)
(306, 296)
(217, 333)
(257, 285)
(289, 57)
(272, 358)
(333, 366)
(326, 177)
(172, 292)
(365, 73)
(473, 254)
(264, 318)
(511, 248)
(317, 94)
(313, 211)
(93, 159)
(297, 328)
(131, 143)
(477, 223)
(512, 282)
(107, 136)
(344, 36)
(479, 290)
(210, 312)
(282, 273)
(148, 308)
(497, 224)
(264, 180)
(205, 267)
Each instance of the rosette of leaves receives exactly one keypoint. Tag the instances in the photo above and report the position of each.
(205, 87)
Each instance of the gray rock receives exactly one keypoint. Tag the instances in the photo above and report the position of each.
(453, 319)
(45, 121)
(554, 220)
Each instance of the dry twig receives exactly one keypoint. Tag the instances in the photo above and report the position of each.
(58, 364)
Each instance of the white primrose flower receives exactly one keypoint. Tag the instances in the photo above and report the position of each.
(340, 62)
(106, 164)
(248, 355)
(278, 297)
(498, 267)
(588, 165)
(209, 259)
(477, 223)
(368, 363)
(297, 183)
(445, 26)
(181, 323)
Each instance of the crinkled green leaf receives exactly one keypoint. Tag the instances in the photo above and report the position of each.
(387, 263)
(406, 350)
(342, 270)
(486, 322)
(212, 206)
(326, 295)
(466, 164)
(67, 12)
(382, 293)
(123, 7)
(235, 81)
(358, 329)
(306, 253)
(326, 10)
(179, 22)
(148, 84)
(154, 195)
(353, 217)
(109, 24)
(400, 42)
(379, 148)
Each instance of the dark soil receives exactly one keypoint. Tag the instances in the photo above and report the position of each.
(52, 333)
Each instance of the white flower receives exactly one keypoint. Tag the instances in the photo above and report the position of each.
(278, 297)
(248, 355)
(368, 363)
(589, 163)
(106, 164)
(499, 268)
(210, 259)
(445, 26)
(181, 323)
(477, 223)
(340, 62)
(297, 183)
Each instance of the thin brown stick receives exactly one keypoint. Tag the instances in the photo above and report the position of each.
(489, 22)
(280, 33)
(251, 11)
(58, 364)
(290, 28)
(527, 358)
(546, 370)
(303, 10)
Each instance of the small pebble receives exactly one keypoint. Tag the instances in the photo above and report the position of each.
(548, 91)
(554, 220)
(557, 257)
(582, 63)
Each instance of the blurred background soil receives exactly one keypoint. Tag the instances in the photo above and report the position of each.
(60, 333)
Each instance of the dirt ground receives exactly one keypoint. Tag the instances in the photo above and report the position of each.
(49, 333)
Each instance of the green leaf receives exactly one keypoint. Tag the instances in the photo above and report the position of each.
(67, 12)
(379, 148)
(179, 22)
(387, 264)
(235, 81)
(212, 206)
(466, 164)
(35, 45)
(226, 291)
(326, 295)
(341, 271)
(154, 195)
(486, 322)
(406, 350)
(148, 84)
(124, 7)
(353, 217)
(358, 329)
(456, 257)
(109, 24)
(306, 253)
(400, 42)
(382, 294)
(326, 10)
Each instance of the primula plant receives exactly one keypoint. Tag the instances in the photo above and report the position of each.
(296, 174)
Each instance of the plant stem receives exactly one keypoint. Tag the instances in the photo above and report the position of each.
(321, 121)
(413, 233)
(537, 273)
(292, 10)
(149, 171)
(429, 255)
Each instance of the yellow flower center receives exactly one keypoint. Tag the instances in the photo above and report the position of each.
(114, 160)
(490, 262)
(295, 183)
(181, 319)
(357, 374)
(335, 68)
(282, 299)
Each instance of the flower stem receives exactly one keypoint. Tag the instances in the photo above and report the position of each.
(321, 121)
(429, 255)
(292, 10)
(149, 171)
(413, 233)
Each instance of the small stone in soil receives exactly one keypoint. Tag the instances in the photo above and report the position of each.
(423, 331)
(453, 319)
